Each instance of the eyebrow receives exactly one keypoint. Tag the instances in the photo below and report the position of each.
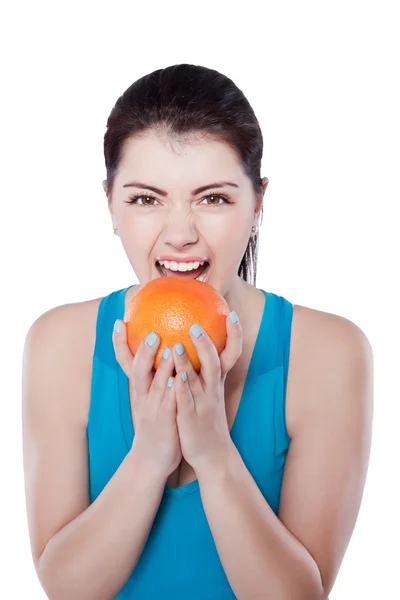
(203, 188)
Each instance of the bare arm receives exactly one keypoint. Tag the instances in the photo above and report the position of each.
(296, 554)
(94, 555)
(80, 550)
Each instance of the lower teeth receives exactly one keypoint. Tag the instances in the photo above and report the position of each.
(203, 275)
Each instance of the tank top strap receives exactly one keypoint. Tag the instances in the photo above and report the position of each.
(286, 310)
(272, 345)
(111, 307)
(271, 353)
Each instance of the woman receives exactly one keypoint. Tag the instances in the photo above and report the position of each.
(131, 491)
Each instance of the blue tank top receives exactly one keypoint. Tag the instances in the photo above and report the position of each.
(180, 559)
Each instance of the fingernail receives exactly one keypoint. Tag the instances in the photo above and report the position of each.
(170, 382)
(166, 353)
(151, 338)
(196, 330)
(184, 376)
(180, 349)
(117, 326)
(233, 317)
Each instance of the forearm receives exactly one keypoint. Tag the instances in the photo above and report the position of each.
(93, 556)
(261, 558)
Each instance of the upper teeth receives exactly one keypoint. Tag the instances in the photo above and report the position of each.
(180, 266)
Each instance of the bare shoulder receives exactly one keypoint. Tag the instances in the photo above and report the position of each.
(68, 333)
(330, 403)
(56, 378)
(324, 348)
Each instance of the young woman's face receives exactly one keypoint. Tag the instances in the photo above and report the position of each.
(214, 223)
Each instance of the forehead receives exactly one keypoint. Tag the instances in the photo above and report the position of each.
(158, 159)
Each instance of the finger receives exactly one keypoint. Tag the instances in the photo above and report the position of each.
(234, 344)
(162, 375)
(210, 364)
(122, 351)
(182, 363)
(185, 402)
(168, 403)
(142, 366)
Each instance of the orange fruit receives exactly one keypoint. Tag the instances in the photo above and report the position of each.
(169, 306)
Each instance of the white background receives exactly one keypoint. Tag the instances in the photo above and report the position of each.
(323, 81)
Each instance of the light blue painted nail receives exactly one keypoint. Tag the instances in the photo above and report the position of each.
(166, 353)
(184, 376)
(151, 338)
(170, 382)
(233, 317)
(117, 326)
(180, 349)
(196, 330)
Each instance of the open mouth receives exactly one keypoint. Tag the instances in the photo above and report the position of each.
(200, 272)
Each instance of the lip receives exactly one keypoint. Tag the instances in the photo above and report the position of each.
(183, 258)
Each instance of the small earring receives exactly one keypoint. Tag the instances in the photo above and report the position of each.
(253, 231)
(116, 231)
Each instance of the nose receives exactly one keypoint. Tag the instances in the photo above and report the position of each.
(179, 231)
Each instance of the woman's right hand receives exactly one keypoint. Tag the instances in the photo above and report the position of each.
(153, 403)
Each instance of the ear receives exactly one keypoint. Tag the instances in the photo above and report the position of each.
(260, 199)
(105, 186)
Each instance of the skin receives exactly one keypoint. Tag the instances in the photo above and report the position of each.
(291, 556)
(297, 553)
(180, 224)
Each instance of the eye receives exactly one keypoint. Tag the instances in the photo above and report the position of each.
(217, 195)
(133, 199)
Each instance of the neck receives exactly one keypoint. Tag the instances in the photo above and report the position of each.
(237, 297)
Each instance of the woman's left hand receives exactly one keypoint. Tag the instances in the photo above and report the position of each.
(201, 415)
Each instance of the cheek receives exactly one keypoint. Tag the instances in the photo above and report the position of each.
(139, 232)
(138, 247)
(234, 221)
(219, 222)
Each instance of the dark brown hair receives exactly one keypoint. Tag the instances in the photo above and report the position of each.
(185, 100)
